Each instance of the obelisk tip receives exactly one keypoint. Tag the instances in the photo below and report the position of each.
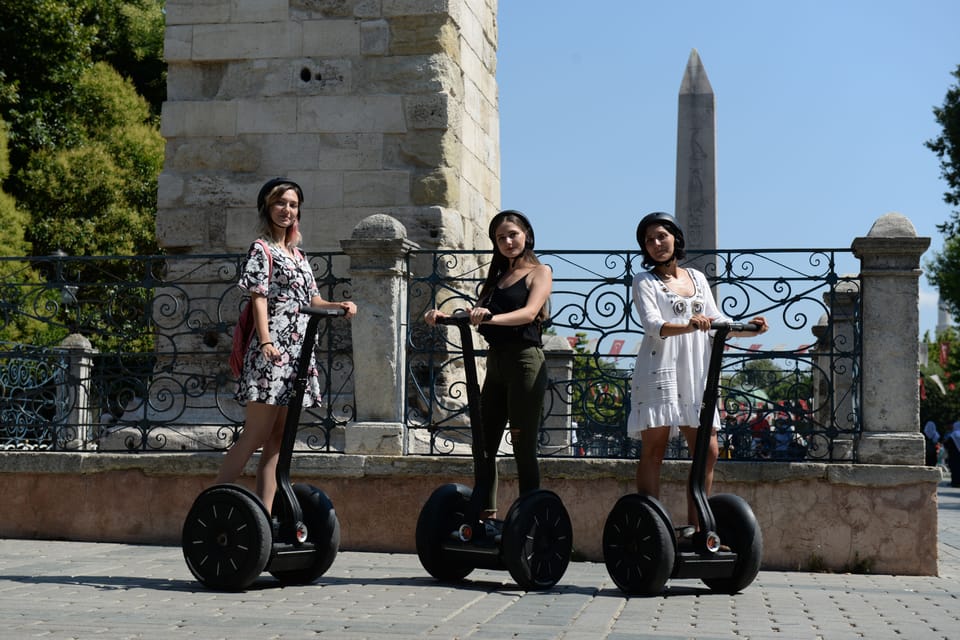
(695, 79)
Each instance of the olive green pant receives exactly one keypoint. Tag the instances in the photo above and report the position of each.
(512, 392)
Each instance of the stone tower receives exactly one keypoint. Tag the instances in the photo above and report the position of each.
(373, 106)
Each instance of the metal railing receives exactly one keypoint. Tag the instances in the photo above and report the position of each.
(785, 402)
(154, 374)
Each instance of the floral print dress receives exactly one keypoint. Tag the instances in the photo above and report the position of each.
(291, 286)
(670, 374)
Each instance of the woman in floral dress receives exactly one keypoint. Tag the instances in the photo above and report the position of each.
(278, 285)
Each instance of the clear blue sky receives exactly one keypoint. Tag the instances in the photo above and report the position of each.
(823, 108)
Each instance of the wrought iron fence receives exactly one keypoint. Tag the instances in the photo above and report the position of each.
(793, 401)
(145, 364)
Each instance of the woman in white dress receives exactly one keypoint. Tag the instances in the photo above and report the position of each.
(676, 307)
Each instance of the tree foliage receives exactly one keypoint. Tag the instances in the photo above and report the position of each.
(81, 84)
(85, 148)
(943, 270)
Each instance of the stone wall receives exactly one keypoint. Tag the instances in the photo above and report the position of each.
(385, 106)
(813, 516)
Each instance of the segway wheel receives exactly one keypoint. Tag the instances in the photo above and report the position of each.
(738, 529)
(537, 540)
(226, 538)
(440, 518)
(323, 532)
(638, 546)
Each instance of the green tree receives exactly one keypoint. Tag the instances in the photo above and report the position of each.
(98, 198)
(20, 283)
(940, 397)
(943, 270)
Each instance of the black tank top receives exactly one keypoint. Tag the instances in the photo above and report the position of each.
(503, 301)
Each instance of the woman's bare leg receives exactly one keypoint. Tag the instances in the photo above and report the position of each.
(257, 428)
(651, 459)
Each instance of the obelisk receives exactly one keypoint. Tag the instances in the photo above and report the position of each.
(696, 203)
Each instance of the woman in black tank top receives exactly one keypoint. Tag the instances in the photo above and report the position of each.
(510, 314)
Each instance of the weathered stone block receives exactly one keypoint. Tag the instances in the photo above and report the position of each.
(273, 115)
(246, 41)
(408, 75)
(440, 187)
(331, 38)
(178, 44)
(351, 114)
(193, 12)
(424, 34)
(376, 188)
(178, 229)
(374, 38)
(259, 10)
(416, 7)
(190, 119)
(373, 438)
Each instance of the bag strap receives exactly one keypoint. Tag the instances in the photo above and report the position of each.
(266, 249)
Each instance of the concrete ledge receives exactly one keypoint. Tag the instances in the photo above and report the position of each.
(875, 518)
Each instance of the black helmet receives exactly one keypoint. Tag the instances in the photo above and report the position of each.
(497, 219)
(668, 221)
(270, 184)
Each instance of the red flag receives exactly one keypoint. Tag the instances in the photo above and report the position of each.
(573, 341)
(923, 390)
(616, 347)
(944, 351)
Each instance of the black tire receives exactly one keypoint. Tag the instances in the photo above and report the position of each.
(226, 538)
(323, 532)
(444, 512)
(537, 540)
(638, 546)
(738, 529)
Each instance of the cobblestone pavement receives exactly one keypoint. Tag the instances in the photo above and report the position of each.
(94, 590)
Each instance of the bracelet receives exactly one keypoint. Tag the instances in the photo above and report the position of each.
(263, 344)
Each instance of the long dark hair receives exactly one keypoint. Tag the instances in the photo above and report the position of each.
(500, 263)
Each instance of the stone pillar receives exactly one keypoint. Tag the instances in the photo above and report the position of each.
(890, 271)
(75, 394)
(559, 358)
(378, 249)
(840, 361)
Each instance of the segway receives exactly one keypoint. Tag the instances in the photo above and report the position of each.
(533, 543)
(641, 548)
(229, 538)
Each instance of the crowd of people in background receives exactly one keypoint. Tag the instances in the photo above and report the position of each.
(943, 449)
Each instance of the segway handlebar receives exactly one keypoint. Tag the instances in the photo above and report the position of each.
(459, 317)
(735, 326)
(323, 313)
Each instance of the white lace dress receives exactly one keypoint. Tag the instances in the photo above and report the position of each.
(670, 373)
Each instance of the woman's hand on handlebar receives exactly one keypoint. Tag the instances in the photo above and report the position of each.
(761, 322)
(432, 315)
(478, 315)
